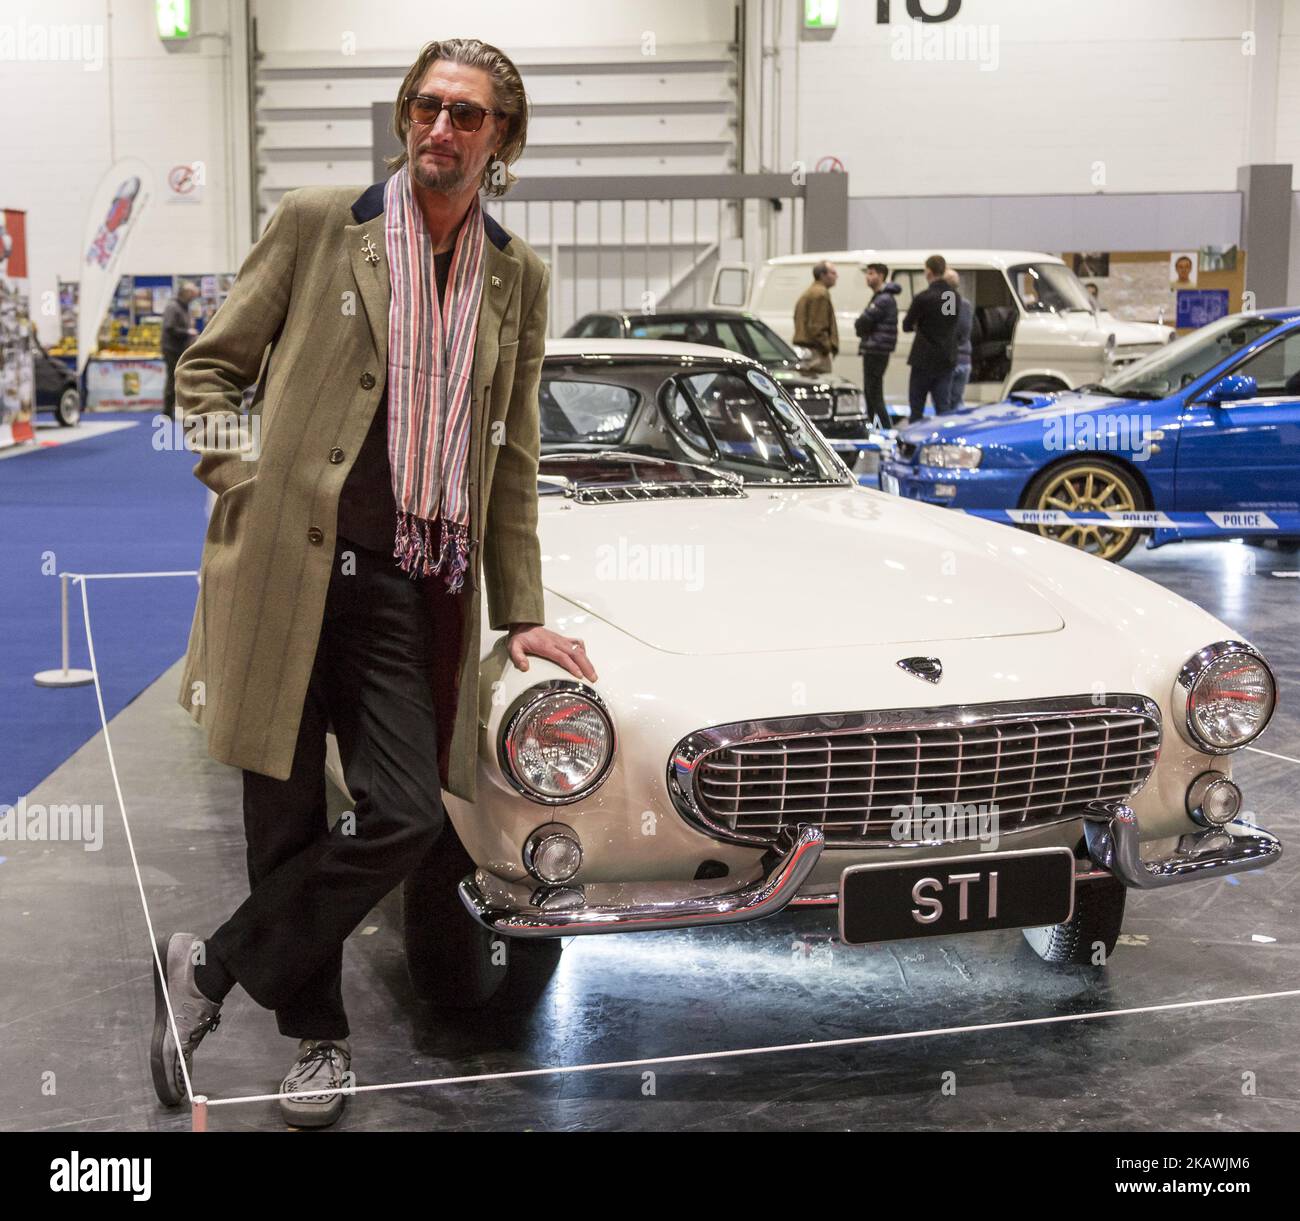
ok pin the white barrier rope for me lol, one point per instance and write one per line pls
(570, 1069)
(814, 1045)
(121, 805)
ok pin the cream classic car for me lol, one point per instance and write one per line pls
(967, 728)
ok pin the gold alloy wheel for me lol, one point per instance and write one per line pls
(1088, 488)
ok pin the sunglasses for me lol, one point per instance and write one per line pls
(424, 108)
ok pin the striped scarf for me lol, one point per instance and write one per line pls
(430, 371)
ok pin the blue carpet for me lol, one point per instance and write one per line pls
(106, 504)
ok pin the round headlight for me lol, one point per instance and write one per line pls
(557, 742)
(1224, 697)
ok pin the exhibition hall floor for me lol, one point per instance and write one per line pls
(77, 1007)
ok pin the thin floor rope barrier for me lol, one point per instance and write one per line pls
(1272, 754)
(118, 576)
(126, 824)
(571, 1069)
(814, 1045)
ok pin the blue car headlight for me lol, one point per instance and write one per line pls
(951, 457)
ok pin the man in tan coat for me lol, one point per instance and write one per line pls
(392, 465)
(814, 320)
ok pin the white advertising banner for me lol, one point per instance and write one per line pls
(122, 195)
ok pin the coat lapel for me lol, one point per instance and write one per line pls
(369, 259)
(365, 246)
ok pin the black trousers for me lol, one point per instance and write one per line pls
(874, 365)
(311, 886)
(928, 382)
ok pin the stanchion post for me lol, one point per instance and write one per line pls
(199, 1113)
(64, 677)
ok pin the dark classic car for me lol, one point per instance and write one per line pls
(834, 404)
(56, 388)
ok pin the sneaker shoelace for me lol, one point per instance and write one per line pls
(309, 1065)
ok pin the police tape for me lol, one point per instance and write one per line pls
(1207, 523)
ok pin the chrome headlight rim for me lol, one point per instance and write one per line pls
(1185, 685)
(521, 706)
(951, 448)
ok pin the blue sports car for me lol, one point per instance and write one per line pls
(1210, 423)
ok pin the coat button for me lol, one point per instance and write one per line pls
(336, 455)
(314, 535)
(367, 381)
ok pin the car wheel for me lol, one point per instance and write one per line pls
(1088, 485)
(453, 961)
(68, 409)
(1096, 922)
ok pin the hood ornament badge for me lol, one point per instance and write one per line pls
(928, 668)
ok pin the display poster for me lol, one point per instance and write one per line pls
(17, 351)
(122, 383)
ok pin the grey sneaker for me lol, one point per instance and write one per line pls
(195, 1016)
(322, 1064)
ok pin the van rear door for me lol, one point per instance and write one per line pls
(731, 285)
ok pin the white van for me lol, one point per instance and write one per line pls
(1037, 327)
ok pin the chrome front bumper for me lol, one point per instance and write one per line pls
(1110, 830)
(565, 913)
(1111, 833)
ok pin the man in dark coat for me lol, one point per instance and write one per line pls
(877, 328)
(177, 334)
(933, 317)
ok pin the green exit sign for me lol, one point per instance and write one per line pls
(173, 17)
(821, 14)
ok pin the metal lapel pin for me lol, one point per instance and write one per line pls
(372, 255)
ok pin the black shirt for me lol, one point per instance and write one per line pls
(367, 508)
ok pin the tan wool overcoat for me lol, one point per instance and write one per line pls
(315, 291)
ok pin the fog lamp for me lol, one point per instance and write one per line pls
(553, 853)
(1213, 799)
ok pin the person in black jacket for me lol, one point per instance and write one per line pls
(933, 316)
(877, 328)
(177, 334)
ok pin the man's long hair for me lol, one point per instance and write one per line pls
(508, 95)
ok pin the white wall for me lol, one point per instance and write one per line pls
(615, 89)
(1156, 91)
(67, 120)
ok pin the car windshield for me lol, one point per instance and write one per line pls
(735, 420)
(1049, 287)
(1180, 363)
(769, 347)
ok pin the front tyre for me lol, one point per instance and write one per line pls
(1088, 485)
(1089, 935)
(452, 960)
(68, 409)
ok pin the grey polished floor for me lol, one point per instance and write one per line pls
(76, 1003)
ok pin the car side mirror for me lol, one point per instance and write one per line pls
(1231, 388)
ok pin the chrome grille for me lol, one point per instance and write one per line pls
(817, 406)
(1036, 762)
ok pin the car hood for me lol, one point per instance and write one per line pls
(820, 568)
(995, 416)
(789, 376)
(1127, 333)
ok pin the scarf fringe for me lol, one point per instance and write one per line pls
(414, 548)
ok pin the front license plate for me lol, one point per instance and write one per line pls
(888, 483)
(956, 894)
